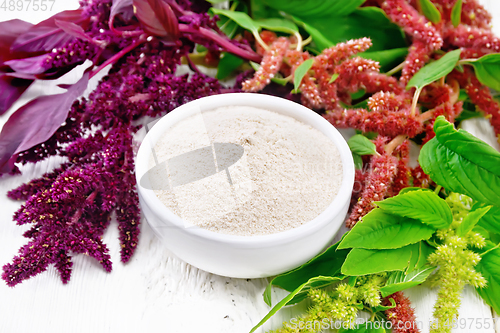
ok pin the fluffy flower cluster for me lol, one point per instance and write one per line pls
(456, 260)
(341, 304)
(402, 316)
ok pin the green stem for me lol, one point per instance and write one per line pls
(396, 69)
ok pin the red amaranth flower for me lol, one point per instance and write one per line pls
(418, 55)
(270, 65)
(402, 316)
(388, 101)
(340, 52)
(483, 40)
(402, 177)
(481, 96)
(412, 22)
(383, 122)
(383, 169)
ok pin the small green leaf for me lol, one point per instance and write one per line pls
(358, 161)
(435, 70)
(462, 163)
(487, 70)
(326, 264)
(277, 24)
(489, 267)
(382, 230)
(242, 19)
(227, 64)
(334, 77)
(384, 308)
(300, 72)
(361, 145)
(425, 206)
(364, 262)
(471, 220)
(430, 11)
(400, 281)
(456, 13)
(286, 301)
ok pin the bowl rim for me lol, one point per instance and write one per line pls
(246, 99)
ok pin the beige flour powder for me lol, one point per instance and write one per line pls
(245, 171)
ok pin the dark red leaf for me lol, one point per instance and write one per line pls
(9, 32)
(46, 35)
(12, 88)
(76, 31)
(124, 7)
(32, 65)
(35, 123)
(157, 18)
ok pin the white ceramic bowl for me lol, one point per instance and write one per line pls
(244, 256)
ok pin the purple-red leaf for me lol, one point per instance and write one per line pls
(9, 32)
(76, 31)
(46, 35)
(157, 18)
(36, 122)
(120, 6)
(32, 65)
(12, 88)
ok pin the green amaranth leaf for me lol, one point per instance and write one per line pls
(489, 267)
(363, 22)
(410, 189)
(456, 13)
(425, 206)
(326, 264)
(361, 145)
(227, 64)
(430, 11)
(462, 163)
(311, 283)
(334, 77)
(419, 260)
(487, 70)
(364, 262)
(381, 230)
(470, 221)
(491, 220)
(358, 161)
(315, 8)
(400, 281)
(277, 24)
(388, 59)
(300, 72)
(435, 70)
